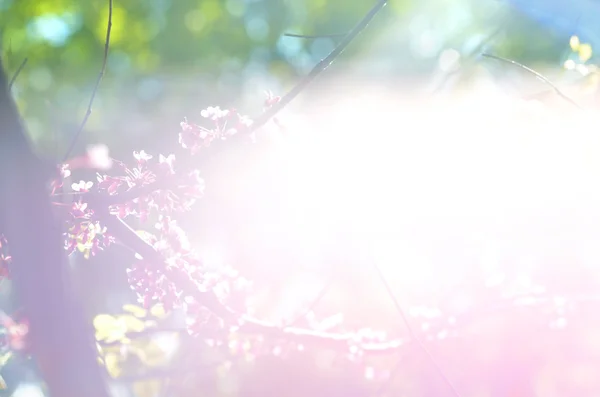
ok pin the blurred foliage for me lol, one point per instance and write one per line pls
(125, 344)
(188, 54)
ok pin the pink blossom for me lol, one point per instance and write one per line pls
(82, 186)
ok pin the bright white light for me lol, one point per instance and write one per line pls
(383, 170)
(169, 343)
(28, 390)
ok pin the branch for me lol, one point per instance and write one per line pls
(413, 337)
(342, 341)
(245, 324)
(277, 107)
(95, 90)
(318, 69)
(240, 322)
(106, 200)
(17, 73)
(316, 36)
(324, 290)
(474, 53)
(536, 74)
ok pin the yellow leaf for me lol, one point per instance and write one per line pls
(115, 334)
(4, 358)
(135, 310)
(158, 310)
(574, 43)
(104, 322)
(101, 335)
(147, 388)
(2, 383)
(131, 323)
(152, 355)
(111, 361)
(111, 349)
(146, 236)
(585, 52)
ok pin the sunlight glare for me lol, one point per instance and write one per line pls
(381, 169)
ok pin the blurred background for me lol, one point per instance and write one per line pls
(175, 57)
(469, 182)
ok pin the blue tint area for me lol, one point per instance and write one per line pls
(4, 4)
(54, 29)
(568, 17)
(289, 46)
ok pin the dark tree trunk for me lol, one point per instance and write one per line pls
(59, 338)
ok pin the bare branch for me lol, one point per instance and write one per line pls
(243, 323)
(316, 36)
(318, 69)
(536, 74)
(324, 290)
(285, 100)
(413, 336)
(95, 90)
(17, 73)
(474, 53)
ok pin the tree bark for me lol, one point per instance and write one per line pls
(59, 338)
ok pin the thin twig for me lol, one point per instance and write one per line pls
(243, 323)
(324, 290)
(469, 57)
(17, 73)
(246, 324)
(315, 36)
(536, 74)
(318, 69)
(98, 80)
(547, 91)
(413, 336)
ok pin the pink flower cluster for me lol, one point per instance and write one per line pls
(225, 123)
(153, 190)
